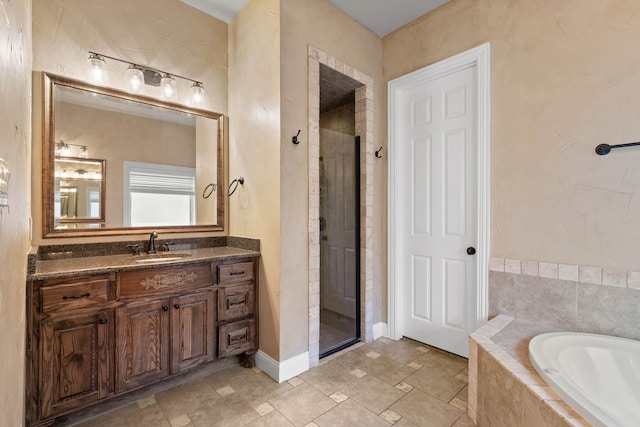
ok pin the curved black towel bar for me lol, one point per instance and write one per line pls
(235, 187)
(604, 149)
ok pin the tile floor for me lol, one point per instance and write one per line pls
(335, 329)
(385, 382)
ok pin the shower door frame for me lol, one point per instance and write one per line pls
(358, 233)
(364, 128)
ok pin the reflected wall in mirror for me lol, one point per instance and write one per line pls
(79, 192)
(163, 159)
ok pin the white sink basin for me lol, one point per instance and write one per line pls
(151, 258)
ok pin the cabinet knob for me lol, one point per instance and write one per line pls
(177, 306)
(165, 307)
(102, 321)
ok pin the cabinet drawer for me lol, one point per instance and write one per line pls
(236, 338)
(65, 296)
(237, 272)
(156, 281)
(235, 302)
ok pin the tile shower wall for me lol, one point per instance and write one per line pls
(567, 297)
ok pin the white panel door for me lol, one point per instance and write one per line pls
(437, 164)
(338, 248)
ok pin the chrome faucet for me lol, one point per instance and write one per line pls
(152, 242)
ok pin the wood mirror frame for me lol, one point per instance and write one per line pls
(49, 230)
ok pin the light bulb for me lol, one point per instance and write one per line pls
(134, 79)
(198, 96)
(97, 69)
(65, 150)
(168, 88)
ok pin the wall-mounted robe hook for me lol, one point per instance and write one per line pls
(295, 139)
(378, 155)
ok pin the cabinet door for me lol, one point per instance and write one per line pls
(75, 361)
(192, 335)
(142, 344)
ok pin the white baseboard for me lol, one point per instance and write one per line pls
(380, 330)
(285, 370)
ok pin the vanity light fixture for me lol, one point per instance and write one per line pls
(168, 88)
(64, 149)
(198, 96)
(134, 79)
(137, 76)
(97, 69)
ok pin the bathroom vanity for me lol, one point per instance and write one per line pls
(101, 326)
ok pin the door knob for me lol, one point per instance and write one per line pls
(325, 238)
(471, 250)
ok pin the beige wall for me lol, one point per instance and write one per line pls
(254, 151)
(565, 78)
(268, 89)
(341, 119)
(320, 24)
(165, 34)
(15, 148)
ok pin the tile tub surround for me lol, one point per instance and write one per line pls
(566, 297)
(504, 388)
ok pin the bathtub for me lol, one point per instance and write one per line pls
(597, 375)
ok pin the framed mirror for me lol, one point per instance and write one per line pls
(79, 192)
(165, 163)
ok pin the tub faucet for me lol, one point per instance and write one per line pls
(152, 242)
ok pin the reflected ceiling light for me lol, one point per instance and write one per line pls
(168, 88)
(134, 79)
(97, 69)
(64, 149)
(138, 76)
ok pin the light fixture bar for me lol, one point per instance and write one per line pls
(65, 147)
(144, 67)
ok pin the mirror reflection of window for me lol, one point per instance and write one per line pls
(94, 202)
(158, 195)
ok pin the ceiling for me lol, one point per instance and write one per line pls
(336, 89)
(380, 16)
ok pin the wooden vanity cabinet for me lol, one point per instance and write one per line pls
(95, 337)
(76, 361)
(192, 330)
(236, 308)
(74, 352)
(142, 344)
(162, 337)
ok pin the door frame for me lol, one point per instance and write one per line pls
(364, 99)
(480, 57)
(358, 235)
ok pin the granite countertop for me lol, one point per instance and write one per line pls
(56, 268)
